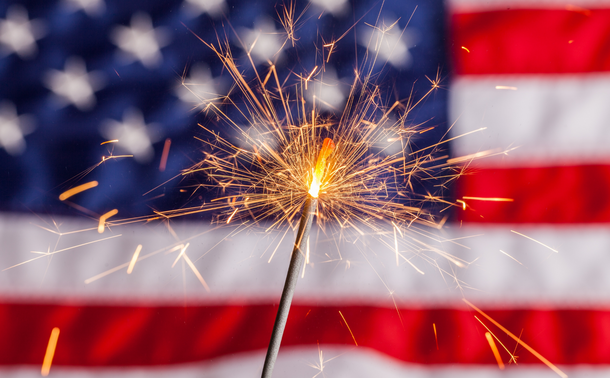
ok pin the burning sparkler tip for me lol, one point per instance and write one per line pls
(327, 148)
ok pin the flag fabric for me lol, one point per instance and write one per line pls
(85, 82)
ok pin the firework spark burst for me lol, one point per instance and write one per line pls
(266, 173)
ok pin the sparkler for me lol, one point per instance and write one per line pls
(297, 258)
(267, 174)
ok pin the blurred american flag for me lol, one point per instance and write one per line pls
(77, 73)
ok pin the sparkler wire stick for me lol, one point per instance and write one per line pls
(296, 261)
(298, 255)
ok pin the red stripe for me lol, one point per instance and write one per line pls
(124, 336)
(531, 41)
(566, 194)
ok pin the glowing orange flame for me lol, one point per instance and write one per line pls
(81, 188)
(102, 222)
(327, 148)
(494, 349)
(48, 357)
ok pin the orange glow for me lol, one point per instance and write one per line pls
(231, 217)
(577, 9)
(109, 141)
(48, 356)
(512, 356)
(518, 340)
(327, 148)
(488, 199)
(435, 336)
(350, 331)
(81, 188)
(464, 48)
(168, 142)
(494, 349)
(132, 263)
(102, 223)
(463, 204)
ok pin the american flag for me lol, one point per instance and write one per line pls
(78, 73)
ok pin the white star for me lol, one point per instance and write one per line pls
(264, 41)
(335, 7)
(390, 44)
(135, 137)
(74, 85)
(390, 142)
(214, 8)
(328, 93)
(140, 41)
(18, 34)
(259, 136)
(13, 128)
(91, 7)
(199, 88)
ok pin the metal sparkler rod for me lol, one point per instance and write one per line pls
(296, 261)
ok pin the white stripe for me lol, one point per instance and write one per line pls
(552, 119)
(301, 363)
(464, 6)
(237, 268)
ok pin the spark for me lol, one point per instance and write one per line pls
(512, 355)
(396, 245)
(348, 328)
(132, 263)
(194, 269)
(463, 204)
(511, 257)
(464, 48)
(231, 217)
(306, 258)
(172, 248)
(109, 141)
(506, 87)
(59, 251)
(106, 158)
(494, 349)
(164, 155)
(534, 240)
(435, 336)
(277, 247)
(448, 140)
(493, 199)
(102, 222)
(182, 251)
(477, 155)
(289, 22)
(331, 47)
(518, 340)
(321, 364)
(48, 356)
(81, 188)
(310, 75)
